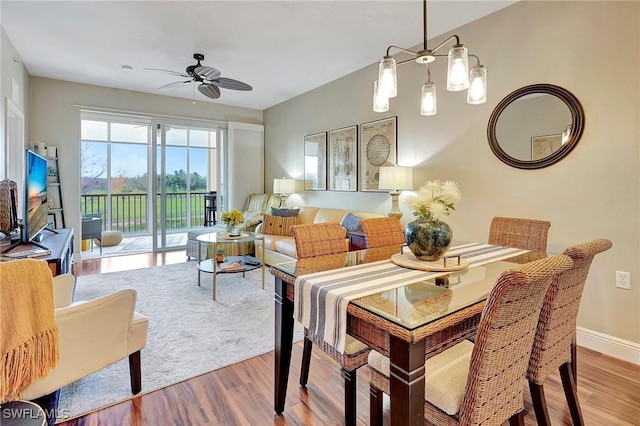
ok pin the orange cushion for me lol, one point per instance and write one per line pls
(278, 225)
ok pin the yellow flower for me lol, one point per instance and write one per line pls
(233, 217)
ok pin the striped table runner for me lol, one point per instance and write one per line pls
(321, 298)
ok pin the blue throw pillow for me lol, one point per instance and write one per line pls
(351, 222)
(284, 212)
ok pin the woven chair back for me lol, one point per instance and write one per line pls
(529, 234)
(495, 384)
(319, 239)
(557, 325)
(382, 231)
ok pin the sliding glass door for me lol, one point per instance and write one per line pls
(148, 178)
(186, 171)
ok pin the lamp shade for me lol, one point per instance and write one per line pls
(284, 186)
(396, 178)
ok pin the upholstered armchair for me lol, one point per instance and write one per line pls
(93, 335)
(256, 206)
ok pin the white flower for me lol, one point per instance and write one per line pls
(435, 199)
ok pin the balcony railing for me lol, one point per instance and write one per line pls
(130, 214)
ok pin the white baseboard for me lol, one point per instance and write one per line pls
(608, 345)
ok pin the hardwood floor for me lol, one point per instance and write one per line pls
(242, 394)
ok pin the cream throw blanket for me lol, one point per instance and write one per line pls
(28, 332)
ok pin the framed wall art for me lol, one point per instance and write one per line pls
(544, 146)
(315, 162)
(378, 147)
(343, 159)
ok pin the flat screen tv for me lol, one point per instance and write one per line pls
(35, 197)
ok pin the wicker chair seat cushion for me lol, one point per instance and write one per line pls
(355, 353)
(109, 238)
(445, 375)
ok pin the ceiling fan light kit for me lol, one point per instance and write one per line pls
(208, 77)
(459, 77)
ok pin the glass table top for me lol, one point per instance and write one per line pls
(224, 237)
(420, 301)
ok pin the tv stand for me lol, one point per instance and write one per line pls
(61, 247)
(11, 246)
(33, 242)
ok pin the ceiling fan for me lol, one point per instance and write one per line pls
(208, 77)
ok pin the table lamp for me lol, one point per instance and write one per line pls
(284, 187)
(395, 179)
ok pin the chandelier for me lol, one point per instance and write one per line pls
(459, 77)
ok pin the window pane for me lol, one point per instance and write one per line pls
(201, 138)
(93, 177)
(136, 133)
(176, 136)
(176, 169)
(199, 169)
(93, 130)
(128, 168)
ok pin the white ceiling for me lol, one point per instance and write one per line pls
(281, 48)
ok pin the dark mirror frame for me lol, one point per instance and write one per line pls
(577, 125)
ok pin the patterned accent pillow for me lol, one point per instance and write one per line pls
(284, 212)
(278, 225)
(351, 222)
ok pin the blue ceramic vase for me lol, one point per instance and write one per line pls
(428, 239)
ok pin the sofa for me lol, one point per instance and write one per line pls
(282, 248)
(254, 210)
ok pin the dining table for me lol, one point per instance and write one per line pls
(406, 313)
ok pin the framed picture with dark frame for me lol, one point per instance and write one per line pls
(544, 146)
(343, 159)
(378, 147)
(315, 162)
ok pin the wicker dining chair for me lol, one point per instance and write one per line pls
(382, 231)
(483, 383)
(321, 239)
(553, 347)
(530, 234)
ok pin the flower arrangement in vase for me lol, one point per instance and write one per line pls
(233, 218)
(428, 237)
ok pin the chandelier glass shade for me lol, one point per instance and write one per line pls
(459, 77)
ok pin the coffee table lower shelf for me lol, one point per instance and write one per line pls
(207, 267)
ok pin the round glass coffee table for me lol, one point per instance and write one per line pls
(232, 264)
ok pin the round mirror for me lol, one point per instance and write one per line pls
(535, 126)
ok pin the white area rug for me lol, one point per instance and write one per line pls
(189, 333)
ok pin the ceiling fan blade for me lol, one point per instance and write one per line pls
(179, 74)
(209, 90)
(207, 73)
(173, 85)
(229, 83)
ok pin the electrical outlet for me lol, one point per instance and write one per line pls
(623, 280)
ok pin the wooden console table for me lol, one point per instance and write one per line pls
(61, 247)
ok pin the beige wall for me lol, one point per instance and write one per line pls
(55, 121)
(591, 49)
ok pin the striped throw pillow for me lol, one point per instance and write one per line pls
(278, 225)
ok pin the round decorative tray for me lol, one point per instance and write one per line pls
(408, 260)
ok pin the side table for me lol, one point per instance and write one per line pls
(356, 240)
(214, 239)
